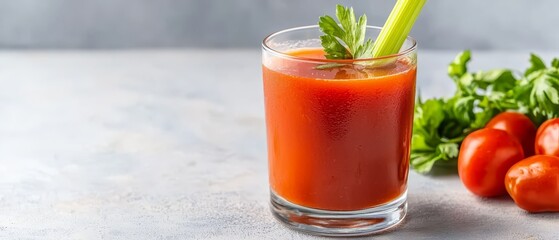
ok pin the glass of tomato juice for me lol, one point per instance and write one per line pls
(338, 134)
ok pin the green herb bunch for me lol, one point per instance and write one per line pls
(440, 124)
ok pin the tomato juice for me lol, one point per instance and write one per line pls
(339, 138)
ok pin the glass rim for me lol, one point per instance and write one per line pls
(285, 55)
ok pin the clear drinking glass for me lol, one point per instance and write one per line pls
(338, 134)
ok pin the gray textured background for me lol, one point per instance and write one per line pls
(444, 24)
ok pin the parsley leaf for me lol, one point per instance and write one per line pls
(457, 67)
(345, 40)
(555, 63)
(544, 94)
(333, 48)
(536, 63)
(437, 130)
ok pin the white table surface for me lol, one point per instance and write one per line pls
(170, 144)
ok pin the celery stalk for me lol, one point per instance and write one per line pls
(397, 27)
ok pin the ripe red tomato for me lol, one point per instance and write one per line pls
(533, 183)
(547, 138)
(517, 125)
(485, 157)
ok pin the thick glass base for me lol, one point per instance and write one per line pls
(340, 223)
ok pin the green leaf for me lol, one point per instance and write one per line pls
(498, 79)
(465, 85)
(345, 40)
(428, 146)
(329, 26)
(423, 162)
(365, 50)
(347, 20)
(544, 97)
(420, 141)
(448, 151)
(462, 109)
(333, 48)
(431, 112)
(360, 31)
(458, 67)
(555, 63)
(536, 63)
(488, 109)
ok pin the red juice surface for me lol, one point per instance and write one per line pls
(338, 139)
